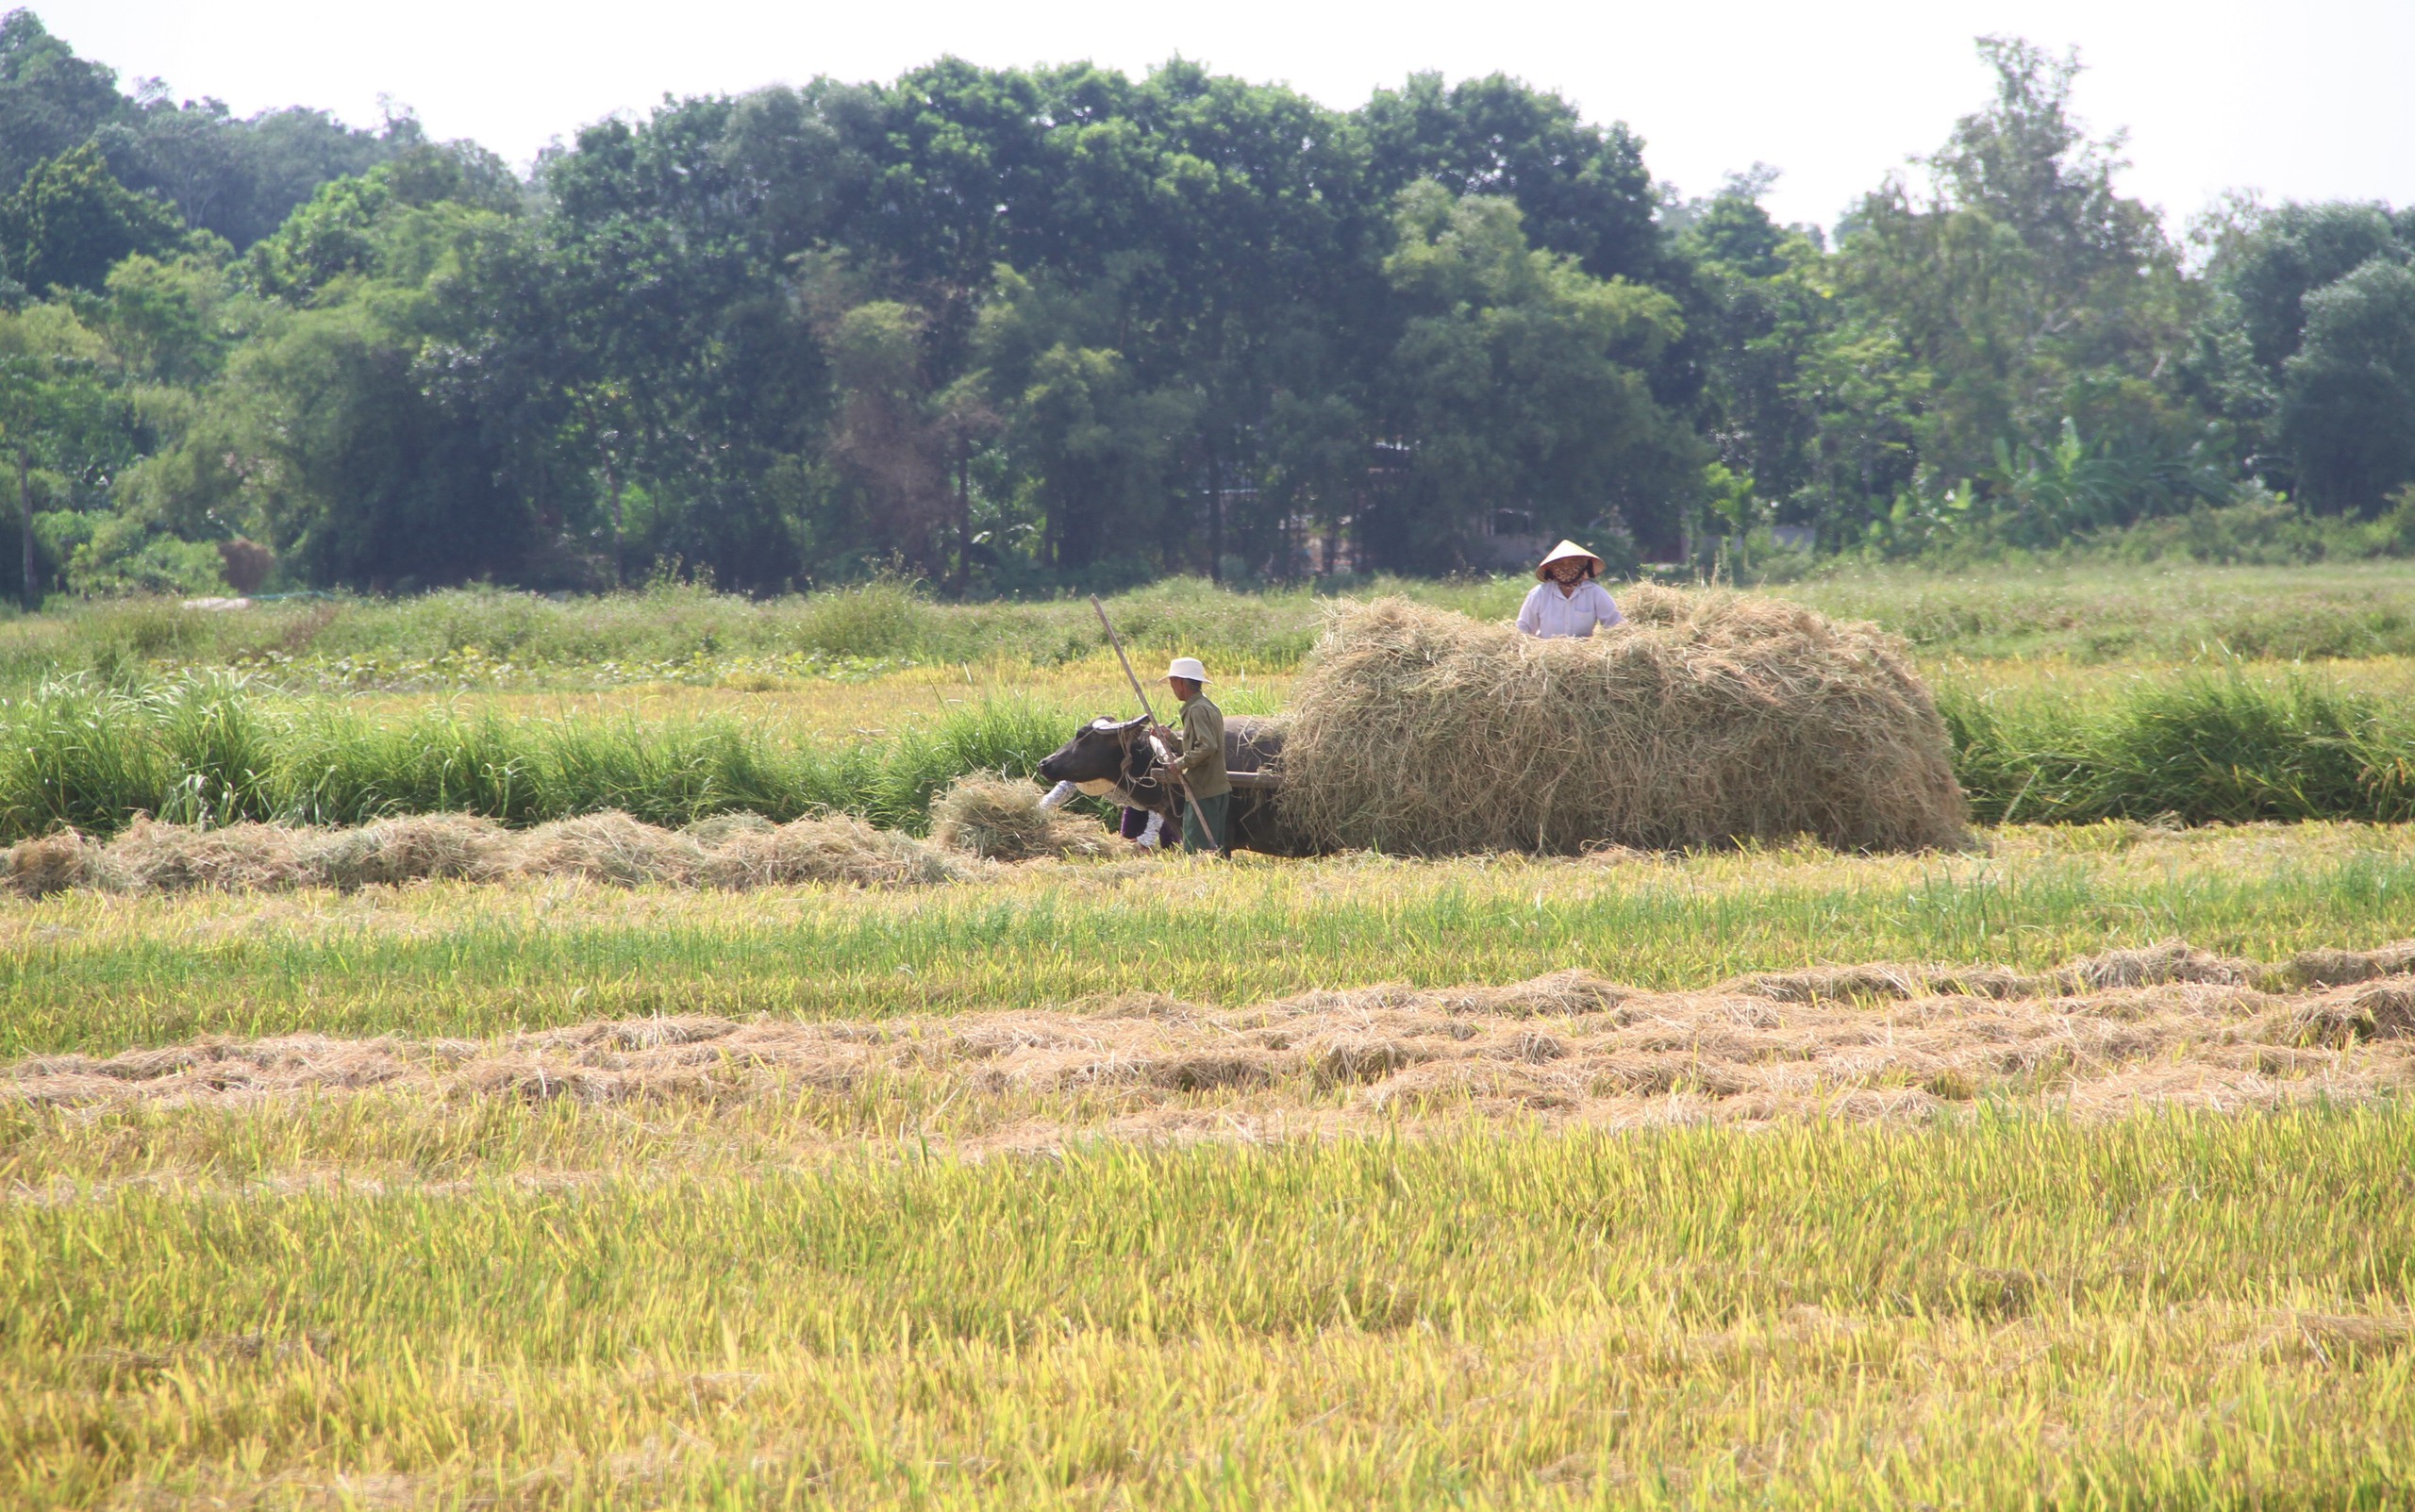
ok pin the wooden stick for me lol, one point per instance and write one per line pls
(1174, 775)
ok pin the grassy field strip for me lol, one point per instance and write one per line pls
(486, 639)
(2382, 677)
(880, 703)
(2103, 1036)
(93, 973)
(883, 703)
(2156, 1311)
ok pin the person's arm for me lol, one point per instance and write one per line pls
(1196, 744)
(1608, 612)
(1060, 795)
(1530, 614)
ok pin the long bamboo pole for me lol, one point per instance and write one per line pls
(26, 524)
(1173, 775)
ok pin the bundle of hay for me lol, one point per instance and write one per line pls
(836, 849)
(1711, 717)
(410, 848)
(1001, 820)
(149, 856)
(609, 847)
(51, 863)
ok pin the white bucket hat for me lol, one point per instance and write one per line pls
(1189, 669)
(1561, 553)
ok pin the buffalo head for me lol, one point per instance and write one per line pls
(1108, 757)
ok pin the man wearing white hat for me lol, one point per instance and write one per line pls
(1566, 600)
(1199, 758)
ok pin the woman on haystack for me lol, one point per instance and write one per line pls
(1566, 600)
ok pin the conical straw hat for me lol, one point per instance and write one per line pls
(1561, 553)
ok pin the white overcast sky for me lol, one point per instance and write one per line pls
(2308, 100)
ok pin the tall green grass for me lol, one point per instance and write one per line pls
(214, 750)
(2199, 747)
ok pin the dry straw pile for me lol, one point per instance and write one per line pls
(1711, 717)
(2102, 1037)
(1001, 820)
(736, 851)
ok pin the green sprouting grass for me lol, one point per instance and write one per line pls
(2166, 1311)
(91, 973)
(486, 638)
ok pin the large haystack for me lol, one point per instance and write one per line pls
(1712, 717)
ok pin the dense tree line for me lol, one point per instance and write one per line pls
(1015, 329)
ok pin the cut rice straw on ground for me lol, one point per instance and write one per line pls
(1711, 717)
(733, 852)
(2168, 1025)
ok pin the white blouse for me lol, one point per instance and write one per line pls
(1547, 612)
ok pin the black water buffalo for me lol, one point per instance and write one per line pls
(1122, 762)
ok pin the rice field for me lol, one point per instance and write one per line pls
(485, 639)
(2071, 1171)
(84, 971)
(2008, 1312)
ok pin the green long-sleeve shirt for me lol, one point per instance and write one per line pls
(1201, 760)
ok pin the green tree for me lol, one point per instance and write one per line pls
(1523, 382)
(357, 226)
(1762, 295)
(174, 321)
(238, 179)
(70, 222)
(366, 426)
(2348, 409)
(1258, 193)
(702, 390)
(2022, 283)
(2267, 264)
(51, 101)
(365, 470)
(55, 415)
(1096, 444)
(1864, 392)
(1580, 190)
